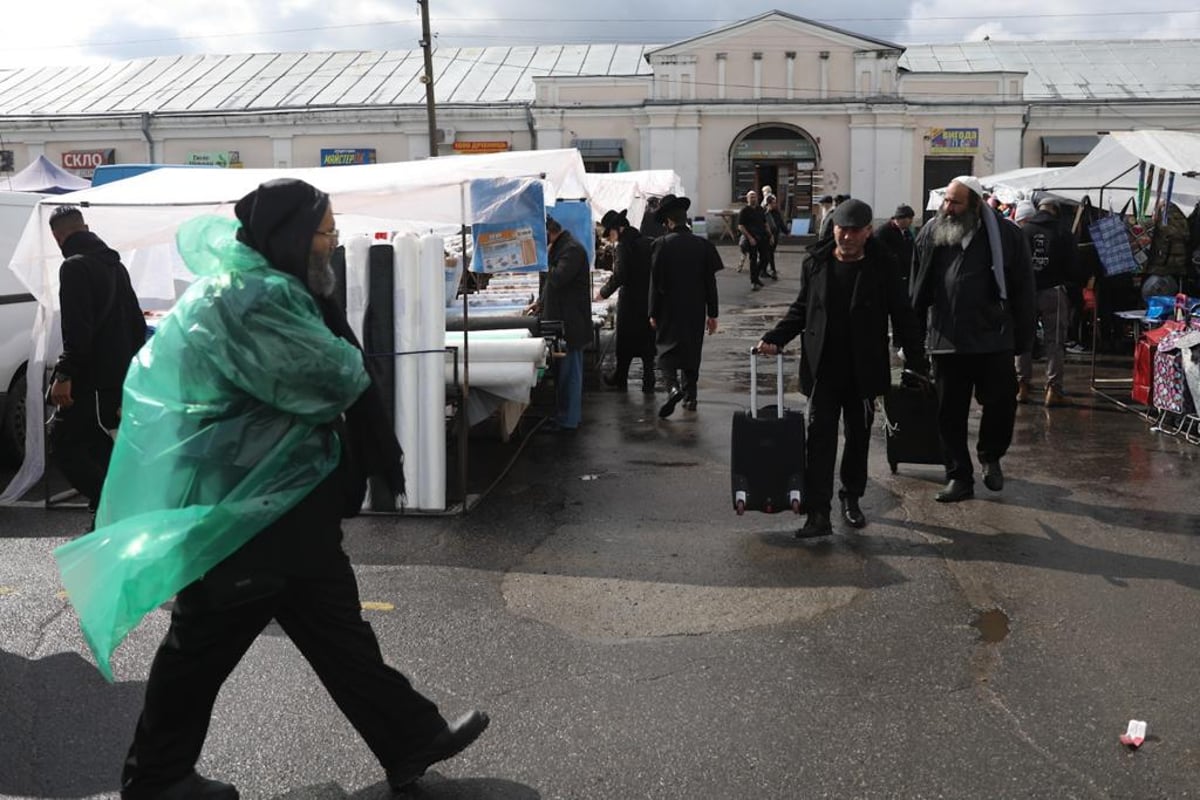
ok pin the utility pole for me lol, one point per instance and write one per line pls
(427, 78)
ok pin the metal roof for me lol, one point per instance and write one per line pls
(1137, 69)
(1127, 69)
(258, 81)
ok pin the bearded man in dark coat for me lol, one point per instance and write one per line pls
(683, 301)
(631, 274)
(974, 281)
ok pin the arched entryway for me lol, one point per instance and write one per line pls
(781, 156)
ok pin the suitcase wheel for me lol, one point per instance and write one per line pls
(740, 505)
(892, 464)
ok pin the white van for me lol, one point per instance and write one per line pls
(17, 308)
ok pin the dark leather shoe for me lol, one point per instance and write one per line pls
(457, 736)
(955, 490)
(853, 515)
(689, 405)
(668, 408)
(993, 476)
(193, 787)
(817, 524)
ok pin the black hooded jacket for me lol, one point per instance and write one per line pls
(102, 323)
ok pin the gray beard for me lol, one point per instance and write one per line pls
(951, 230)
(322, 280)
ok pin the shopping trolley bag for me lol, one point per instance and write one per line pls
(910, 423)
(767, 452)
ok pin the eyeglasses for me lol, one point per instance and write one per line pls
(332, 233)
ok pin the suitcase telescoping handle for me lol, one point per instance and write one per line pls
(754, 383)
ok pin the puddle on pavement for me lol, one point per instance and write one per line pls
(649, 463)
(992, 625)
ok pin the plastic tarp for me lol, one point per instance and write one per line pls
(508, 225)
(45, 177)
(139, 217)
(1109, 174)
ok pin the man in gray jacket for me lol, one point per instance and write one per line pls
(975, 284)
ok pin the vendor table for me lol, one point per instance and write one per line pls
(1101, 387)
(727, 217)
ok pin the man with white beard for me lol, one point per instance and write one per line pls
(974, 285)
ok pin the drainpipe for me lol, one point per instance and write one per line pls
(532, 127)
(149, 139)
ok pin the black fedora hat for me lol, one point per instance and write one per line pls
(668, 204)
(614, 219)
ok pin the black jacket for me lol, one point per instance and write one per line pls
(877, 296)
(102, 323)
(1051, 250)
(683, 291)
(973, 318)
(900, 244)
(567, 290)
(631, 274)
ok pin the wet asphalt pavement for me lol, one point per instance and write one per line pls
(633, 638)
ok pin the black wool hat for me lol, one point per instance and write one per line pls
(668, 204)
(852, 214)
(614, 219)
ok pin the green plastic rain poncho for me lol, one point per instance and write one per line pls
(223, 429)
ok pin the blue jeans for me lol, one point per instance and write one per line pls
(568, 384)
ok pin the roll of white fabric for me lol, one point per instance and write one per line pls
(432, 400)
(407, 317)
(358, 250)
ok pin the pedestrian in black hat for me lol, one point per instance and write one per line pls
(897, 238)
(631, 274)
(848, 291)
(683, 301)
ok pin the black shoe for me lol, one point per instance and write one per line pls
(852, 513)
(993, 476)
(817, 524)
(668, 408)
(689, 405)
(773, 275)
(194, 787)
(756, 285)
(457, 736)
(954, 490)
(613, 381)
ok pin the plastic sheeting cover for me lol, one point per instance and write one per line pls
(222, 431)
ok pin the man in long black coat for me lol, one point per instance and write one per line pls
(974, 282)
(849, 287)
(102, 330)
(683, 301)
(631, 274)
(567, 296)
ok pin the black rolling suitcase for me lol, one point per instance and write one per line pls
(910, 423)
(767, 452)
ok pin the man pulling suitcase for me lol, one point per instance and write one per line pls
(849, 287)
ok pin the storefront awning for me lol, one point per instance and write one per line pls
(1068, 145)
(599, 148)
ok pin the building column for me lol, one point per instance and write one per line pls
(671, 140)
(881, 169)
(823, 92)
(1007, 149)
(758, 75)
(790, 62)
(721, 59)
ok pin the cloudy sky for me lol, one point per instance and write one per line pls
(74, 31)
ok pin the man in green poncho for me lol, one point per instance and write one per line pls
(295, 379)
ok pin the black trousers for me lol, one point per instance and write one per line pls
(621, 373)
(835, 397)
(768, 258)
(672, 377)
(992, 379)
(210, 632)
(79, 444)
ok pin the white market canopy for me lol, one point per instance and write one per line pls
(138, 217)
(1109, 174)
(621, 191)
(1008, 187)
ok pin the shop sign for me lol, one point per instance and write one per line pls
(775, 150)
(215, 158)
(480, 147)
(347, 156)
(953, 141)
(6, 161)
(84, 162)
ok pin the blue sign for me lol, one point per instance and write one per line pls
(346, 156)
